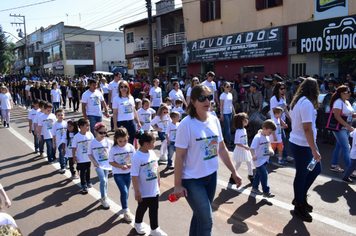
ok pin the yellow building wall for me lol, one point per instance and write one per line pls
(139, 32)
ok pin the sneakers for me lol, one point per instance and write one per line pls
(256, 191)
(157, 232)
(170, 167)
(288, 158)
(282, 162)
(348, 181)
(8, 125)
(268, 195)
(301, 211)
(90, 185)
(353, 175)
(75, 177)
(62, 171)
(84, 189)
(104, 203)
(336, 169)
(128, 217)
(140, 229)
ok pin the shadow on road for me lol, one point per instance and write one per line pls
(294, 227)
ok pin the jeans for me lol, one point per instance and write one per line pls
(131, 128)
(50, 150)
(171, 150)
(41, 144)
(152, 204)
(103, 177)
(342, 144)
(64, 99)
(62, 160)
(84, 169)
(303, 177)
(35, 141)
(285, 153)
(226, 127)
(123, 182)
(93, 120)
(261, 176)
(55, 106)
(351, 168)
(200, 196)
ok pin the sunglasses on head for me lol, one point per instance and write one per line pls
(123, 86)
(102, 133)
(202, 98)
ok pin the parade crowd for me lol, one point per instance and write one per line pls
(197, 120)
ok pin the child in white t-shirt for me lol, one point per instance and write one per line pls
(67, 140)
(145, 181)
(98, 153)
(276, 136)
(31, 117)
(45, 125)
(171, 134)
(58, 130)
(242, 150)
(145, 115)
(80, 146)
(160, 124)
(261, 150)
(41, 104)
(178, 107)
(120, 158)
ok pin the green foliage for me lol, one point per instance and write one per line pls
(7, 57)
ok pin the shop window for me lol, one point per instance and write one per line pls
(79, 51)
(47, 55)
(263, 4)
(252, 69)
(209, 10)
(130, 37)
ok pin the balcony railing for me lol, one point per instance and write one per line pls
(143, 45)
(173, 39)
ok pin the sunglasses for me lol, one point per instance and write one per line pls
(202, 98)
(282, 89)
(123, 86)
(102, 133)
(347, 92)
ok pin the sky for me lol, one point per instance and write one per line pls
(107, 15)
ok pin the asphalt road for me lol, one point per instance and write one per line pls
(45, 202)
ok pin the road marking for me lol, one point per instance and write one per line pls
(114, 207)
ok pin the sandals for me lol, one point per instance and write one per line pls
(337, 169)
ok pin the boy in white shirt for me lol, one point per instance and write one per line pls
(212, 108)
(171, 134)
(261, 150)
(178, 107)
(276, 137)
(35, 127)
(45, 125)
(80, 145)
(58, 131)
(31, 116)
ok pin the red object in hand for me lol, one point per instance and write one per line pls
(172, 198)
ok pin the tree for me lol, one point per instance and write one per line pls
(7, 57)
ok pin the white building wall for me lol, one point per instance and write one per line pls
(109, 49)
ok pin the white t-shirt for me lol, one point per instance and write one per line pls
(105, 88)
(227, 98)
(171, 131)
(161, 123)
(303, 112)
(189, 91)
(59, 130)
(353, 147)
(346, 108)
(212, 86)
(202, 143)
(32, 115)
(277, 132)
(114, 88)
(156, 94)
(100, 152)
(274, 103)
(38, 114)
(56, 95)
(93, 101)
(122, 156)
(68, 149)
(125, 108)
(47, 122)
(241, 136)
(179, 109)
(145, 166)
(145, 116)
(69, 91)
(175, 95)
(261, 145)
(6, 219)
(5, 100)
(81, 143)
(27, 88)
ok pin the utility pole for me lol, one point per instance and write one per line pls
(150, 43)
(24, 25)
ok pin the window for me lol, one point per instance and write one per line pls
(293, 43)
(79, 51)
(37, 45)
(263, 4)
(298, 69)
(129, 37)
(253, 69)
(209, 10)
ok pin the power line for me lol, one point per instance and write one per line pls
(30, 5)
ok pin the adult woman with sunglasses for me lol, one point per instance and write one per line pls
(342, 107)
(279, 100)
(199, 142)
(124, 112)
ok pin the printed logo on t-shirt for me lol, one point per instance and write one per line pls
(85, 146)
(174, 134)
(123, 158)
(279, 131)
(164, 125)
(158, 94)
(101, 153)
(150, 170)
(49, 123)
(127, 107)
(243, 139)
(147, 118)
(209, 147)
(95, 100)
(265, 148)
(61, 132)
(70, 143)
